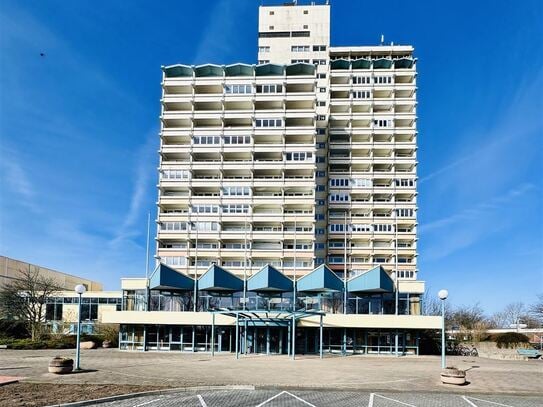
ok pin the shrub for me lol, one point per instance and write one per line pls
(13, 329)
(510, 339)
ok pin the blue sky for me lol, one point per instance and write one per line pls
(78, 129)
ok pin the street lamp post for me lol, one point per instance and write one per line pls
(443, 294)
(79, 289)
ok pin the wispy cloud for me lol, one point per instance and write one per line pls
(144, 171)
(14, 176)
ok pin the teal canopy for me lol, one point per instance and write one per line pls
(300, 69)
(403, 63)
(239, 70)
(269, 279)
(166, 278)
(269, 70)
(382, 63)
(361, 63)
(340, 64)
(208, 70)
(322, 279)
(375, 280)
(218, 279)
(178, 71)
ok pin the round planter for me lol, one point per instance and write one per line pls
(451, 375)
(61, 365)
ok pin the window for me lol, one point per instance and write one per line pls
(89, 311)
(206, 140)
(319, 261)
(319, 246)
(404, 213)
(321, 76)
(321, 103)
(299, 156)
(236, 246)
(236, 191)
(361, 94)
(173, 226)
(339, 197)
(53, 312)
(321, 174)
(335, 259)
(263, 61)
(319, 62)
(339, 182)
(271, 27)
(269, 122)
(263, 49)
(382, 228)
(321, 131)
(272, 13)
(173, 245)
(174, 260)
(205, 208)
(322, 90)
(382, 79)
(382, 123)
(299, 61)
(320, 188)
(336, 227)
(358, 80)
(359, 227)
(299, 246)
(321, 159)
(361, 182)
(272, 88)
(319, 47)
(238, 88)
(205, 226)
(319, 231)
(320, 202)
(305, 27)
(306, 11)
(235, 208)
(403, 182)
(234, 263)
(406, 274)
(237, 139)
(321, 117)
(300, 48)
(175, 174)
(321, 145)
(319, 216)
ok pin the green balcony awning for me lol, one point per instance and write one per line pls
(218, 279)
(322, 279)
(239, 70)
(375, 280)
(300, 69)
(403, 63)
(269, 70)
(208, 70)
(178, 71)
(166, 278)
(340, 64)
(382, 63)
(361, 63)
(269, 279)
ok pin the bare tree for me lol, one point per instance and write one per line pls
(24, 299)
(536, 309)
(431, 304)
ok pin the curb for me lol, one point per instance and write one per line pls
(150, 393)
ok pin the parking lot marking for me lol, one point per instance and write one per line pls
(370, 402)
(484, 401)
(396, 401)
(469, 402)
(201, 400)
(147, 402)
(290, 394)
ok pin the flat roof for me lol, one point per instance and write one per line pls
(373, 48)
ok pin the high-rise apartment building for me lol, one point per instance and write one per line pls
(298, 171)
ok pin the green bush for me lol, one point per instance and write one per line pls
(510, 340)
(13, 329)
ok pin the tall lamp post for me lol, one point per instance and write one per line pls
(443, 294)
(79, 289)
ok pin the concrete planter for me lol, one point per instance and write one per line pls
(60, 365)
(452, 375)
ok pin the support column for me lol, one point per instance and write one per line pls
(144, 338)
(344, 351)
(320, 338)
(213, 334)
(193, 338)
(288, 340)
(245, 338)
(237, 336)
(267, 340)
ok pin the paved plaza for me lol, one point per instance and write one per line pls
(283, 398)
(347, 380)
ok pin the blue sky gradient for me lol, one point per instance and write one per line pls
(79, 129)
